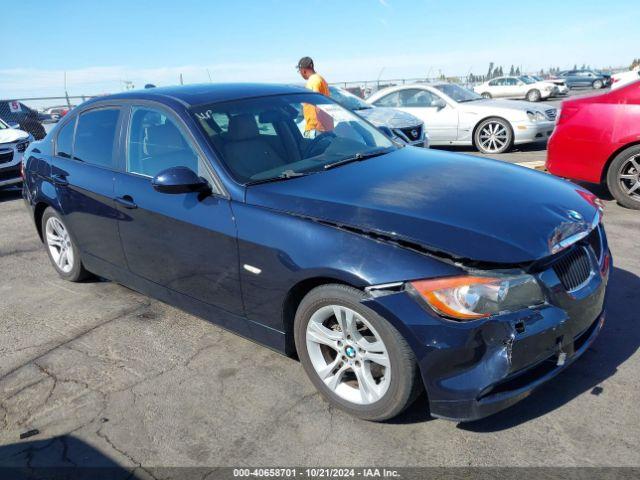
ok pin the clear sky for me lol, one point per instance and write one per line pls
(102, 43)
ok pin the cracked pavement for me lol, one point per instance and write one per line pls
(109, 376)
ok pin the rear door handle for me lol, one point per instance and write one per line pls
(60, 180)
(126, 201)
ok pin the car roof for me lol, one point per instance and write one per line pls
(199, 94)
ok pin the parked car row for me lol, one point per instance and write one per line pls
(54, 114)
(453, 115)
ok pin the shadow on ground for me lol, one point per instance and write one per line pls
(527, 147)
(619, 340)
(8, 194)
(598, 190)
(63, 457)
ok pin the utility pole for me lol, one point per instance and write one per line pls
(209, 74)
(181, 83)
(379, 76)
(66, 93)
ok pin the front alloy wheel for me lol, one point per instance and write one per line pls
(353, 356)
(493, 135)
(623, 178)
(348, 354)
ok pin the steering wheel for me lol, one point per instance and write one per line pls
(315, 144)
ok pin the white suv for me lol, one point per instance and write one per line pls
(13, 143)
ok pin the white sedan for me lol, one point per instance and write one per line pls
(624, 78)
(456, 116)
(517, 87)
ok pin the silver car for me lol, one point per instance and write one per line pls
(401, 126)
(454, 115)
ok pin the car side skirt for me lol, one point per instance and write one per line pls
(239, 325)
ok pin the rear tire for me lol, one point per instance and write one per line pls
(534, 95)
(61, 247)
(623, 178)
(358, 362)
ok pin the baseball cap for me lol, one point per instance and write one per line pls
(305, 62)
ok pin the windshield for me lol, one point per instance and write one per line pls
(348, 100)
(527, 80)
(283, 136)
(457, 93)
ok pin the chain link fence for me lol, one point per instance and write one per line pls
(365, 88)
(35, 115)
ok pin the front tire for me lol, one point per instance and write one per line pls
(356, 359)
(486, 95)
(623, 178)
(534, 95)
(493, 136)
(61, 247)
(597, 85)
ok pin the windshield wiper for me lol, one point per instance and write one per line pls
(286, 175)
(356, 158)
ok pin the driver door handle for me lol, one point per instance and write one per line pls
(126, 201)
(59, 180)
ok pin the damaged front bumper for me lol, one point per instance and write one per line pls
(474, 369)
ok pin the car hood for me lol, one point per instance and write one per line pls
(10, 135)
(457, 205)
(389, 117)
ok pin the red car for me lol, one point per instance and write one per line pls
(597, 140)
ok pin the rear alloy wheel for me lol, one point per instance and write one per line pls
(493, 135)
(534, 95)
(486, 95)
(623, 178)
(354, 357)
(61, 248)
(597, 85)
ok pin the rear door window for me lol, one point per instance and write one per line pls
(416, 98)
(64, 142)
(95, 137)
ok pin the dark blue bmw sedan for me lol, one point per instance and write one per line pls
(387, 270)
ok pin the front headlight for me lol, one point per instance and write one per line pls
(536, 116)
(472, 297)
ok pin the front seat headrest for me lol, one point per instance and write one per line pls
(242, 127)
(163, 139)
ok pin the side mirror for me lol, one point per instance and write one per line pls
(179, 180)
(439, 104)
